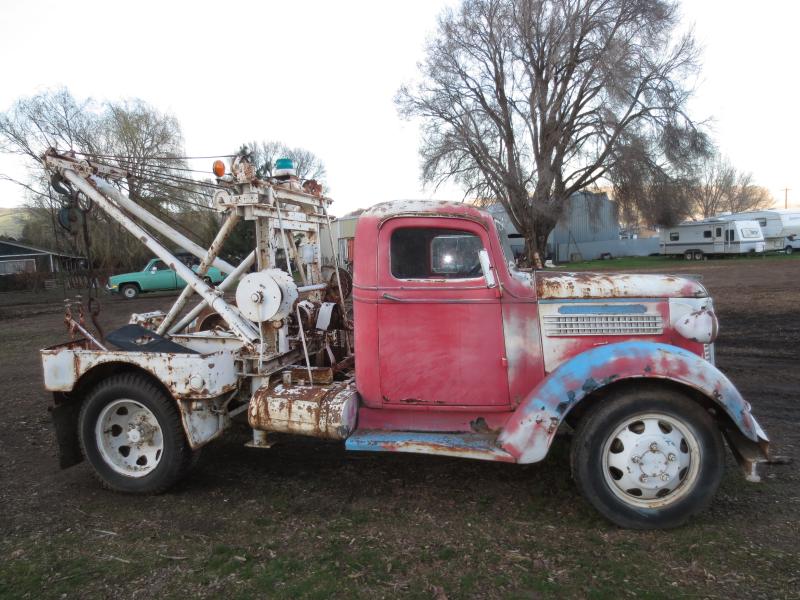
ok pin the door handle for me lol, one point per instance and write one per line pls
(392, 298)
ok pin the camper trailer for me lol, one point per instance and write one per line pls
(697, 240)
(776, 226)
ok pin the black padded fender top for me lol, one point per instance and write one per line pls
(135, 338)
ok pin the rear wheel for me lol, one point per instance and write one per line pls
(789, 249)
(131, 433)
(688, 255)
(129, 291)
(698, 255)
(648, 459)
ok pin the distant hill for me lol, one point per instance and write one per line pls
(12, 221)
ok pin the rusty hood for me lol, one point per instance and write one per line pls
(616, 285)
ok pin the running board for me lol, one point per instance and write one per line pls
(480, 446)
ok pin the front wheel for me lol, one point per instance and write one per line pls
(131, 433)
(648, 459)
(129, 291)
(789, 249)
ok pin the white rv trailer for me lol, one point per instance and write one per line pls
(777, 225)
(696, 240)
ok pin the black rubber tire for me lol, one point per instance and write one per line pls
(789, 249)
(129, 291)
(599, 422)
(177, 457)
(688, 255)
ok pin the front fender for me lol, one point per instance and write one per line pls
(530, 430)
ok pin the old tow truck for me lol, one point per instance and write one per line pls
(459, 353)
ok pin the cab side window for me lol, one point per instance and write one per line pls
(160, 266)
(432, 253)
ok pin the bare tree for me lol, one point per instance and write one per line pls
(646, 192)
(722, 188)
(131, 135)
(264, 154)
(529, 101)
(49, 119)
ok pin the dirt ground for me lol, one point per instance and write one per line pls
(307, 519)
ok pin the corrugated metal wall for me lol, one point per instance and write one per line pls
(588, 217)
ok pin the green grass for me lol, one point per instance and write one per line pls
(288, 553)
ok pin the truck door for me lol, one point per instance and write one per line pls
(159, 276)
(440, 328)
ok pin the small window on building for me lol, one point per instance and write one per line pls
(707, 233)
(13, 267)
(718, 232)
(674, 236)
(428, 253)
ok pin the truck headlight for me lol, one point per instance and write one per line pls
(694, 319)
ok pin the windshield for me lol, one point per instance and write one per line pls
(505, 244)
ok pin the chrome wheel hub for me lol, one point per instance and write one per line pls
(129, 438)
(651, 460)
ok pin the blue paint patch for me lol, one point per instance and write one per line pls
(375, 440)
(560, 384)
(603, 309)
(596, 300)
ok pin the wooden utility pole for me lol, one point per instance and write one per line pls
(786, 197)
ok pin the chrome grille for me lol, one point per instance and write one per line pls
(569, 325)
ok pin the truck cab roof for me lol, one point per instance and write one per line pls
(386, 210)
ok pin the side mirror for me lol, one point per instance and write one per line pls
(486, 267)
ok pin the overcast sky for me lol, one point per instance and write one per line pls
(322, 75)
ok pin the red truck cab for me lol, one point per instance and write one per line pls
(487, 361)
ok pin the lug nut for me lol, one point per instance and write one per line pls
(664, 477)
(671, 457)
(653, 447)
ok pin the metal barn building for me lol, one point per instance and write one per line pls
(587, 230)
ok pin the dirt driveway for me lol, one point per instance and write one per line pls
(306, 519)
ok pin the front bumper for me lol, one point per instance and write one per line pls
(748, 453)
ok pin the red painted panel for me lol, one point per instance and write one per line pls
(442, 354)
(523, 348)
(440, 341)
(432, 418)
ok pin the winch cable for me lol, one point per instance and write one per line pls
(305, 347)
(144, 170)
(283, 239)
(93, 302)
(115, 156)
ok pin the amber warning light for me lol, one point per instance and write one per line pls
(219, 168)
